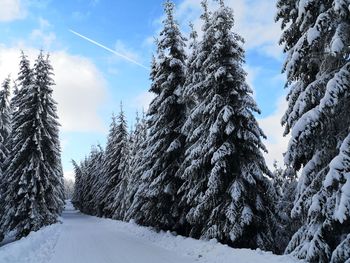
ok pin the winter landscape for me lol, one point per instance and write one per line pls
(175, 131)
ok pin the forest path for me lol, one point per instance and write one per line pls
(81, 238)
(86, 239)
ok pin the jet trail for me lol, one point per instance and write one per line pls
(108, 49)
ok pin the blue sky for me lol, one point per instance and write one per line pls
(91, 81)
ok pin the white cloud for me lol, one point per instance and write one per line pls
(80, 88)
(276, 144)
(46, 38)
(11, 10)
(253, 19)
(43, 23)
(42, 34)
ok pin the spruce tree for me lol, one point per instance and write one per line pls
(109, 168)
(137, 150)
(192, 74)
(315, 39)
(225, 186)
(112, 164)
(32, 188)
(24, 80)
(90, 175)
(121, 190)
(77, 194)
(5, 122)
(285, 183)
(5, 129)
(155, 203)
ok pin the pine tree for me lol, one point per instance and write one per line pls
(5, 129)
(89, 174)
(33, 189)
(113, 157)
(226, 190)
(15, 93)
(285, 183)
(121, 190)
(137, 152)
(24, 80)
(43, 71)
(317, 68)
(5, 122)
(193, 76)
(109, 167)
(155, 201)
(77, 194)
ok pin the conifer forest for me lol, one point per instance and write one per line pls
(191, 171)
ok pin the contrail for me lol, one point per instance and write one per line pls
(108, 49)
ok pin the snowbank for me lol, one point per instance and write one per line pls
(35, 248)
(202, 251)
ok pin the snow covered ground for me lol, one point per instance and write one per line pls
(86, 239)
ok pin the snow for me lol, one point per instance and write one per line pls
(312, 34)
(337, 45)
(86, 239)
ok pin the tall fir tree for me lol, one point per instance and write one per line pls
(77, 194)
(285, 184)
(315, 39)
(33, 182)
(5, 129)
(112, 164)
(121, 190)
(137, 150)
(109, 168)
(90, 174)
(25, 79)
(156, 199)
(5, 122)
(193, 76)
(226, 189)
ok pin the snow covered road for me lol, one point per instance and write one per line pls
(86, 239)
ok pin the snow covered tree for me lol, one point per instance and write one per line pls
(5, 122)
(78, 174)
(192, 74)
(316, 36)
(109, 167)
(137, 149)
(156, 199)
(121, 190)
(33, 183)
(90, 174)
(225, 186)
(284, 183)
(113, 157)
(24, 80)
(15, 92)
(5, 129)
